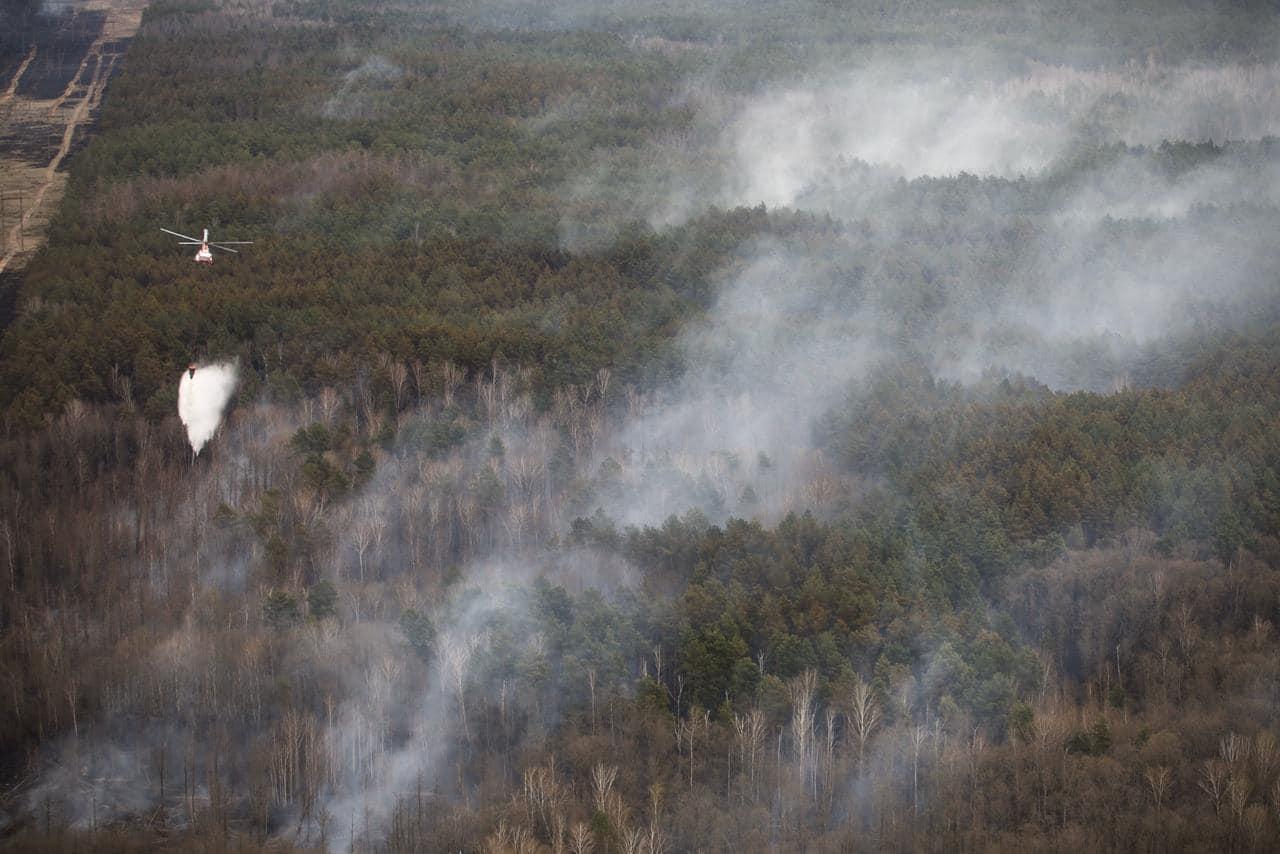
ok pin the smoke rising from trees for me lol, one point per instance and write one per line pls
(805, 545)
(940, 118)
(994, 216)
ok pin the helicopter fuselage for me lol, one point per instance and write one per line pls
(204, 255)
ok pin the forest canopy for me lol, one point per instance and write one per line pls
(657, 427)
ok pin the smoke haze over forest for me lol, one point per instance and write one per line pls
(654, 427)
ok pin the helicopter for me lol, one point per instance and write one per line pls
(203, 255)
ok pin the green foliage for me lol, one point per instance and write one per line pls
(1022, 722)
(553, 605)
(488, 490)
(434, 437)
(312, 440)
(1095, 741)
(419, 220)
(710, 661)
(1020, 469)
(322, 600)
(277, 553)
(419, 632)
(602, 829)
(599, 530)
(280, 609)
(365, 465)
(225, 516)
(651, 696)
(372, 237)
(324, 477)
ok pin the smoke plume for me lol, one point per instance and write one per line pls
(202, 396)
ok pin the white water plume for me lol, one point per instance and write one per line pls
(203, 393)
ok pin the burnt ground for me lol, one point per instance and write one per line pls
(58, 58)
(25, 22)
(29, 142)
(10, 284)
(57, 71)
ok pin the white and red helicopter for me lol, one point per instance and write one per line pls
(203, 255)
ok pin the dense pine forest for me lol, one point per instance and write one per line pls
(658, 427)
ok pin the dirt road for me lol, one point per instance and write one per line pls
(8, 94)
(37, 132)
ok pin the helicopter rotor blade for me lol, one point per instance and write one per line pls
(183, 236)
(224, 248)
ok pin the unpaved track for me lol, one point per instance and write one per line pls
(79, 113)
(30, 191)
(83, 107)
(8, 94)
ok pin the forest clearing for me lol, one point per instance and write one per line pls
(38, 128)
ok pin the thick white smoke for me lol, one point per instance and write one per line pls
(202, 396)
(940, 120)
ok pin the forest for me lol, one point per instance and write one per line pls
(725, 425)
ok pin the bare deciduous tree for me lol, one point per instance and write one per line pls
(1233, 750)
(1265, 756)
(544, 798)
(602, 779)
(451, 377)
(1237, 798)
(398, 374)
(656, 843)
(687, 732)
(580, 839)
(367, 533)
(455, 656)
(606, 800)
(864, 715)
(1213, 782)
(750, 731)
(801, 692)
(1158, 778)
(918, 737)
